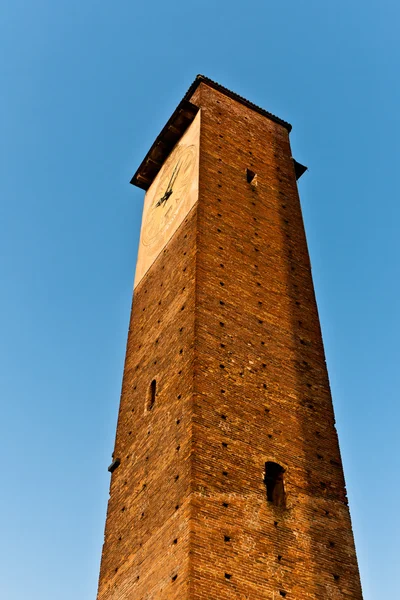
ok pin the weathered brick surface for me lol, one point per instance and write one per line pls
(140, 557)
(249, 386)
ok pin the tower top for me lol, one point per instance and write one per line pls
(220, 88)
(177, 124)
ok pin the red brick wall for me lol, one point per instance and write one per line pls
(233, 292)
(261, 386)
(149, 506)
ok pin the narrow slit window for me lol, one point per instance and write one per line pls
(152, 395)
(274, 482)
(251, 177)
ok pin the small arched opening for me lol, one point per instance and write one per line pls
(274, 483)
(151, 398)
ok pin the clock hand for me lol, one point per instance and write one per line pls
(164, 198)
(169, 187)
(168, 191)
(175, 174)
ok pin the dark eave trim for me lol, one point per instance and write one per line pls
(299, 169)
(176, 126)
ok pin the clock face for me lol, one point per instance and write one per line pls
(169, 198)
(169, 194)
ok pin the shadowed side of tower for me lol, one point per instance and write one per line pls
(228, 480)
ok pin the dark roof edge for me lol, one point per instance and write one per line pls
(175, 127)
(220, 88)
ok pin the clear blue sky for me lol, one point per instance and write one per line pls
(86, 86)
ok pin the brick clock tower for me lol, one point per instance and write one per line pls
(227, 481)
